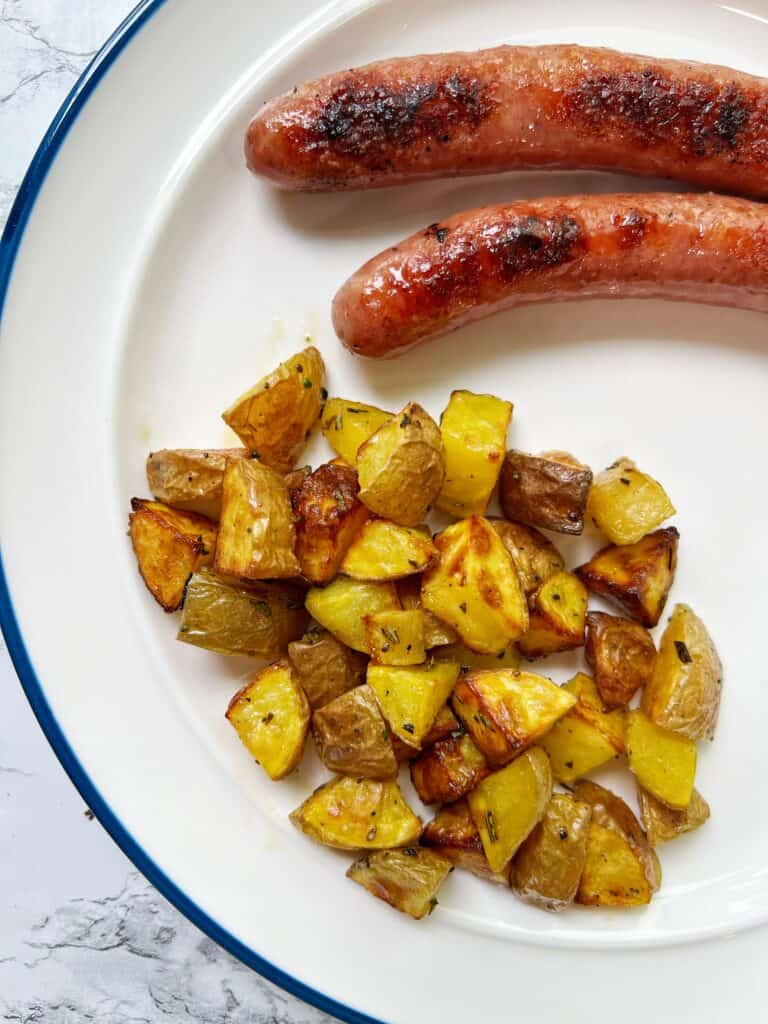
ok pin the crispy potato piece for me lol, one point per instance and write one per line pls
(274, 418)
(474, 429)
(271, 716)
(684, 691)
(444, 724)
(506, 710)
(295, 478)
(636, 577)
(328, 515)
(627, 504)
(169, 546)
(347, 425)
(325, 667)
(548, 491)
(534, 556)
(454, 835)
(621, 654)
(411, 697)
(448, 769)
(507, 805)
(662, 824)
(468, 659)
(341, 605)
(436, 633)
(402, 466)
(547, 868)
(382, 550)
(228, 617)
(475, 588)
(587, 737)
(662, 761)
(191, 478)
(613, 875)
(396, 637)
(352, 737)
(256, 531)
(406, 879)
(358, 814)
(557, 615)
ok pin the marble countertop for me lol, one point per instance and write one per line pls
(83, 936)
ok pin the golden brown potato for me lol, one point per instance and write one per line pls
(587, 737)
(328, 515)
(636, 577)
(557, 615)
(684, 691)
(662, 761)
(474, 587)
(396, 637)
(474, 430)
(382, 550)
(506, 710)
(662, 824)
(436, 633)
(547, 868)
(191, 478)
(613, 875)
(534, 556)
(402, 466)
(410, 697)
(341, 605)
(545, 491)
(507, 805)
(271, 716)
(352, 737)
(453, 834)
(274, 418)
(325, 667)
(467, 659)
(358, 814)
(295, 478)
(444, 724)
(621, 654)
(448, 769)
(256, 619)
(347, 425)
(626, 504)
(406, 879)
(256, 532)
(169, 546)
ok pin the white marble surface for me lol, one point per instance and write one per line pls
(83, 936)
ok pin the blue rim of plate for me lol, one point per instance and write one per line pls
(9, 246)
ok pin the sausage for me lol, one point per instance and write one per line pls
(697, 248)
(517, 107)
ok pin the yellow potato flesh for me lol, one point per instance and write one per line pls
(410, 697)
(663, 762)
(626, 504)
(474, 429)
(341, 606)
(348, 425)
(383, 550)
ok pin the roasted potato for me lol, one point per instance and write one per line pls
(474, 587)
(274, 418)
(662, 824)
(341, 605)
(406, 879)
(547, 868)
(352, 737)
(411, 697)
(627, 504)
(271, 716)
(358, 814)
(548, 491)
(636, 577)
(257, 619)
(474, 430)
(436, 633)
(557, 615)
(468, 659)
(506, 710)
(169, 546)
(662, 761)
(507, 805)
(402, 466)
(621, 654)
(534, 556)
(613, 875)
(382, 550)
(587, 737)
(454, 835)
(444, 724)
(328, 515)
(396, 637)
(347, 425)
(256, 532)
(684, 691)
(448, 769)
(325, 667)
(191, 478)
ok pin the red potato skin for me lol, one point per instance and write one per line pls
(695, 248)
(512, 108)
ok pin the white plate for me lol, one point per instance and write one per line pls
(155, 280)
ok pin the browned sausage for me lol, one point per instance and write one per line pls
(698, 248)
(517, 107)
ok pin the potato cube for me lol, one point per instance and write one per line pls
(352, 737)
(382, 550)
(534, 556)
(454, 835)
(328, 515)
(444, 724)
(347, 425)
(436, 633)
(557, 615)
(191, 478)
(626, 504)
(547, 868)
(663, 824)
(621, 655)
(411, 697)
(342, 605)
(613, 875)
(406, 879)
(548, 491)
(448, 769)
(396, 637)
(663, 762)
(468, 659)
(325, 667)
(587, 737)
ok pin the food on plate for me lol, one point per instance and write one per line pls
(557, 616)
(535, 556)
(325, 667)
(411, 696)
(505, 711)
(635, 577)
(383, 550)
(621, 654)
(358, 814)
(436, 633)
(231, 617)
(468, 659)
(449, 769)
(347, 425)
(662, 824)
(474, 430)
(407, 119)
(454, 835)
(626, 503)
(401, 467)
(190, 478)
(474, 587)
(396, 637)
(444, 724)
(697, 248)
(341, 605)
(548, 491)
(271, 716)
(585, 738)
(327, 516)
(547, 868)
(662, 761)
(352, 738)
(684, 691)
(406, 879)
(169, 546)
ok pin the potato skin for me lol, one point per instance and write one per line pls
(626, 504)
(325, 667)
(545, 492)
(406, 879)
(444, 724)
(191, 478)
(352, 737)
(621, 654)
(547, 868)
(328, 515)
(448, 769)
(613, 875)
(474, 431)
(453, 834)
(557, 617)
(535, 556)
(348, 425)
(662, 824)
